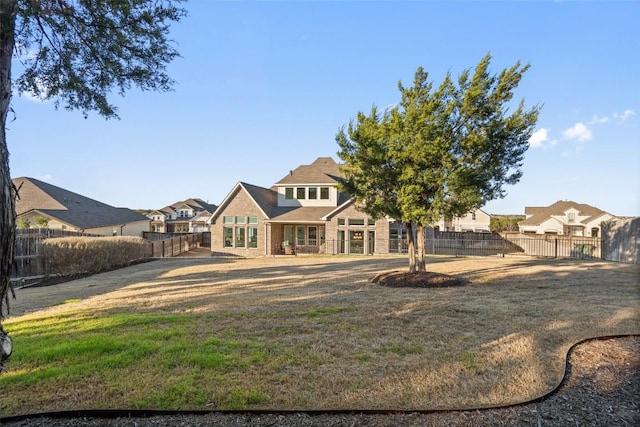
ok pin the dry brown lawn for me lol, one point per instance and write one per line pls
(501, 338)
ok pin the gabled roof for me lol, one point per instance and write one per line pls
(324, 170)
(194, 203)
(68, 207)
(200, 216)
(168, 210)
(264, 198)
(541, 214)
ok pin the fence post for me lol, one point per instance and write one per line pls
(555, 248)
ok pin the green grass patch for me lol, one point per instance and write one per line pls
(117, 348)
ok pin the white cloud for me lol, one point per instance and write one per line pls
(29, 96)
(598, 120)
(46, 177)
(624, 116)
(578, 131)
(540, 139)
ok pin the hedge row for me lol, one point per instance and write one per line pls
(80, 255)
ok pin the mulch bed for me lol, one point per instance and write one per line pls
(404, 279)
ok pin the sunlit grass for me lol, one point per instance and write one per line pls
(263, 334)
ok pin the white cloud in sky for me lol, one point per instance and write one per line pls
(625, 115)
(578, 131)
(46, 177)
(31, 97)
(540, 139)
(619, 117)
(597, 120)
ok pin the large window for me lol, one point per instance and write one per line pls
(236, 234)
(312, 236)
(253, 237)
(227, 234)
(288, 235)
(300, 193)
(313, 193)
(288, 193)
(240, 237)
(300, 235)
(324, 193)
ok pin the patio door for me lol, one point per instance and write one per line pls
(356, 242)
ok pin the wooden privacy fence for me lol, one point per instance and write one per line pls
(29, 261)
(174, 246)
(622, 240)
(28, 258)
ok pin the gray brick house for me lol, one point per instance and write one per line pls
(302, 213)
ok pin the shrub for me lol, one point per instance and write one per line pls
(73, 255)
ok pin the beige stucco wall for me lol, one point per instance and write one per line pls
(129, 229)
(482, 222)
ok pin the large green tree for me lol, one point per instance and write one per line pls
(442, 151)
(75, 53)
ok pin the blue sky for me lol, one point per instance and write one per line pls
(263, 87)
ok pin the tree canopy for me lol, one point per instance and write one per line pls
(76, 53)
(441, 151)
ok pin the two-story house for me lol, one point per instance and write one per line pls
(187, 216)
(302, 213)
(564, 218)
(477, 220)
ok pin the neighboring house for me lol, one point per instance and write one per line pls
(564, 218)
(187, 216)
(476, 220)
(64, 210)
(303, 212)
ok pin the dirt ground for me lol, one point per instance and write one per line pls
(601, 386)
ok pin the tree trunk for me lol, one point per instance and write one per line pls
(420, 264)
(411, 248)
(7, 194)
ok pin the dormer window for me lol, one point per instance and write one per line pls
(300, 193)
(288, 193)
(313, 193)
(571, 216)
(324, 193)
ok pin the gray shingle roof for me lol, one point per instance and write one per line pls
(324, 170)
(265, 198)
(69, 207)
(195, 203)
